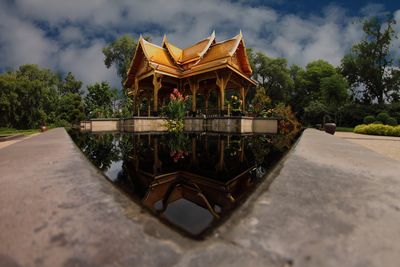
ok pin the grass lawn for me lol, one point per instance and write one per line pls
(344, 129)
(11, 131)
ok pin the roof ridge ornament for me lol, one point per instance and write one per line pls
(165, 40)
(238, 38)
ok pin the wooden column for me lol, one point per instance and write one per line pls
(222, 81)
(243, 92)
(206, 97)
(135, 95)
(148, 105)
(194, 87)
(156, 87)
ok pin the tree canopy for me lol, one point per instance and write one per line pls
(370, 67)
(32, 96)
(99, 100)
(120, 53)
(273, 75)
(70, 85)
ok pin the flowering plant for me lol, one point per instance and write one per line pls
(235, 103)
(175, 111)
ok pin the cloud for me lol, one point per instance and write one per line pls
(69, 35)
(373, 9)
(21, 42)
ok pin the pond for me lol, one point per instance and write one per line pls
(190, 181)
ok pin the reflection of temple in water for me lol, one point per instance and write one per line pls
(190, 181)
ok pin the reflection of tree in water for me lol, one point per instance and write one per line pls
(100, 149)
(261, 147)
(125, 145)
(265, 147)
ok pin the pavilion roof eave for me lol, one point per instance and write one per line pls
(242, 75)
(202, 71)
(218, 67)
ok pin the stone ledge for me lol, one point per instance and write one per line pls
(330, 203)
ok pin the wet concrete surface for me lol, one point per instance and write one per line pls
(332, 203)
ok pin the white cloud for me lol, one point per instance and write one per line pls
(87, 63)
(83, 26)
(21, 42)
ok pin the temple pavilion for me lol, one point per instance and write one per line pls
(209, 71)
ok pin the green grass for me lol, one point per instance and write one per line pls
(344, 129)
(12, 131)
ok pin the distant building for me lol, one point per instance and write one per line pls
(206, 71)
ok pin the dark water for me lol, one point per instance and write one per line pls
(191, 182)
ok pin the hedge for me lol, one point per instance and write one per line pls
(378, 129)
(352, 114)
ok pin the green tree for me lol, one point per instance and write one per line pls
(318, 90)
(125, 105)
(120, 53)
(311, 80)
(70, 85)
(99, 100)
(315, 112)
(334, 90)
(299, 97)
(370, 65)
(71, 108)
(274, 76)
(28, 97)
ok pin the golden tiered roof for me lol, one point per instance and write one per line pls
(206, 55)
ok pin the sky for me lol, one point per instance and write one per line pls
(68, 35)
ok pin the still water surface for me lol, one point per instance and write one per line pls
(190, 181)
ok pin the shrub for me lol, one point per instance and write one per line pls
(391, 121)
(378, 129)
(369, 119)
(352, 114)
(288, 123)
(383, 117)
(62, 123)
(377, 122)
(314, 113)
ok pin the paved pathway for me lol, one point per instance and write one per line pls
(4, 144)
(385, 145)
(330, 203)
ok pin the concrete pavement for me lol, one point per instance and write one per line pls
(15, 140)
(329, 203)
(388, 146)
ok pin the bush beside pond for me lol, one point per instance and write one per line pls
(378, 129)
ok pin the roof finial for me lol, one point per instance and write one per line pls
(165, 40)
(240, 33)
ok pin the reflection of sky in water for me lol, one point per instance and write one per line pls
(113, 170)
(188, 216)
